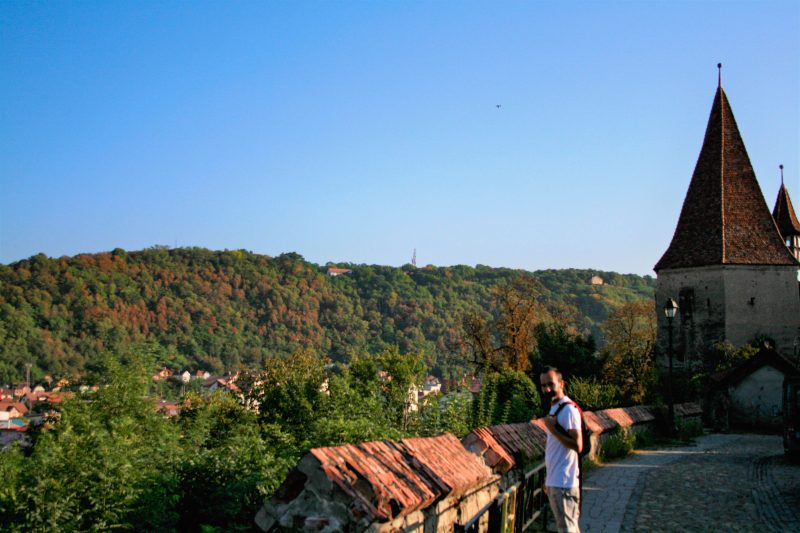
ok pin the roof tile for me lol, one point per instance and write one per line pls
(724, 218)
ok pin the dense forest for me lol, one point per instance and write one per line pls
(234, 310)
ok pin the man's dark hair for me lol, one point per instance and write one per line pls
(547, 369)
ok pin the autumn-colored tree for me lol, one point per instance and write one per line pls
(507, 341)
(630, 336)
(225, 311)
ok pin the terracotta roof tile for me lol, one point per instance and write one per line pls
(447, 462)
(784, 215)
(506, 446)
(724, 218)
(392, 479)
(481, 442)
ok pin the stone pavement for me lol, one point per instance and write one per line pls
(731, 482)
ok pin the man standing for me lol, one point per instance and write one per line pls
(564, 443)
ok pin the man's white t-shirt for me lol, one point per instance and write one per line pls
(561, 462)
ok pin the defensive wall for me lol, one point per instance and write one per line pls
(431, 484)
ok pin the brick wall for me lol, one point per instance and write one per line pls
(421, 484)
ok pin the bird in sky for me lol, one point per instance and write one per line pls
(498, 106)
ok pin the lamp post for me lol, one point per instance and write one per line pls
(669, 311)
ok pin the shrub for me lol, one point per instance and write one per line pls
(506, 397)
(688, 428)
(591, 395)
(644, 438)
(618, 443)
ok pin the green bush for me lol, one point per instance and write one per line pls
(688, 428)
(618, 443)
(644, 438)
(592, 395)
(506, 397)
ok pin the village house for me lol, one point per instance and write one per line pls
(431, 385)
(168, 408)
(10, 409)
(226, 382)
(164, 373)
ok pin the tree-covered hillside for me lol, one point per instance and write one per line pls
(224, 311)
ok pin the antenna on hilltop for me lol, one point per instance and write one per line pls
(414, 258)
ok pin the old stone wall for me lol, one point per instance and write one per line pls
(757, 400)
(421, 484)
(732, 303)
(762, 300)
(700, 321)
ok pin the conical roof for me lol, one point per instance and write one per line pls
(784, 214)
(724, 218)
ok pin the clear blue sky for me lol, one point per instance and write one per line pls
(359, 131)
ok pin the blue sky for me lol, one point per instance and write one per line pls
(360, 131)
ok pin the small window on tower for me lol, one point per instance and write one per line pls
(686, 303)
(788, 241)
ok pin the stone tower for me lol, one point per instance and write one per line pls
(786, 220)
(727, 265)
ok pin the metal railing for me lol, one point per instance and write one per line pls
(516, 510)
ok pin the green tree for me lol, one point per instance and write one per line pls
(630, 335)
(570, 352)
(228, 468)
(107, 462)
(288, 392)
(506, 397)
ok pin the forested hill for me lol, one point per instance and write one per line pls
(224, 311)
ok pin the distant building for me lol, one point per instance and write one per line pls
(332, 271)
(596, 280)
(10, 410)
(164, 373)
(226, 382)
(431, 385)
(728, 267)
(168, 408)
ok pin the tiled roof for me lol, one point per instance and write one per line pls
(765, 356)
(392, 479)
(8, 405)
(608, 419)
(508, 446)
(724, 218)
(784, 215)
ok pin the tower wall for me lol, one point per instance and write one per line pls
(762, 300)
(732, 303)
(700, 320)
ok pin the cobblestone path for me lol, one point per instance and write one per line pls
(739, 482)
